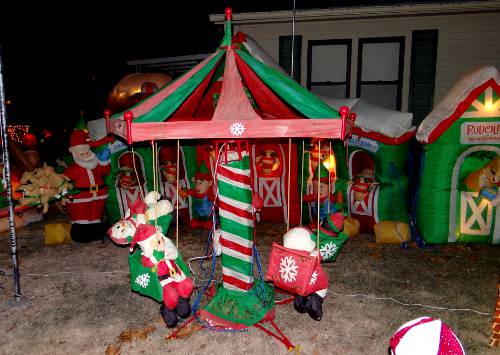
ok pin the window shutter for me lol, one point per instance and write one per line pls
(285, 58)
(423, 73)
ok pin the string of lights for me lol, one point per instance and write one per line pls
(17, 132)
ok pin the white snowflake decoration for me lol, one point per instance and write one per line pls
(159, 229)
(237, 128)
(288, 269)
(328, 250)
(142, 280)
(314, 277)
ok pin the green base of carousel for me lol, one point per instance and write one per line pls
(237, 310)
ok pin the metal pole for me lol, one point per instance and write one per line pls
(5, 153)
(293, 41)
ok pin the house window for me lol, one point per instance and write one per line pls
(380, 71)
(329, 67)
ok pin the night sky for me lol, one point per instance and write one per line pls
(68, 56)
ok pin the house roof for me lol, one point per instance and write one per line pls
(457, 101)
(324, 11)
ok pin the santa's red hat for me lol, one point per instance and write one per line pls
(167, 154)
(425, 336)
(79, 138)
(143, 232)
(137, 207)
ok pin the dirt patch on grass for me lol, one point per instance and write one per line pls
(79, 299)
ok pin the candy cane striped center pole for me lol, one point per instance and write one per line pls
(237, 224)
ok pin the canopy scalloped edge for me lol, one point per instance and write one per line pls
(228, 129)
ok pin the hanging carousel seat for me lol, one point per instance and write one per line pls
(295, 271)
(144, 280)
(330, 244)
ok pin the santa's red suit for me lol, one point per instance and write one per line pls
(87, 206)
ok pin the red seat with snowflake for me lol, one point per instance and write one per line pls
(295, 271)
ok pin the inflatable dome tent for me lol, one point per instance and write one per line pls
(377, 151)
(458, 198)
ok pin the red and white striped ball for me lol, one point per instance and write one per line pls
(425, 336)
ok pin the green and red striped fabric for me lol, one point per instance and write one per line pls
(237, 224)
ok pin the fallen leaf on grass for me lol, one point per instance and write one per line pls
(375, 254)
(473, 258)
(113, 349)
(316, 351)
(139, 333)
(372, 245)
(314, 337)
(185, 331)
(437, 259)
(454, 248)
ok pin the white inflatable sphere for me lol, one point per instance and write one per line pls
(299, 238)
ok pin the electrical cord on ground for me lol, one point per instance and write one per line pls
(3, 273)
(411, 304)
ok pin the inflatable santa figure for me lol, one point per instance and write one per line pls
(86, 208)
(160, 253)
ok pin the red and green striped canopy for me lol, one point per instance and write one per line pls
(230, 95)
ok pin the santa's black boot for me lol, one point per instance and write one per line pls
(314, 306)
(80, 233)
(169, 316)
(183, 307)
(299, 303)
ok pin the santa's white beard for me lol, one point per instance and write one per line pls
(87, 164)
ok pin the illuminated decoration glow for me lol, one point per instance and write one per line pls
(330, 164)
(488, 108)
(17, 132)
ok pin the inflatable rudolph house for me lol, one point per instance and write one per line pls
(458, 198)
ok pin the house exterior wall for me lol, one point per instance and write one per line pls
(466, 40)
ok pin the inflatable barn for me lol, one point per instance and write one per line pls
(126, 181)
(458, 199)
(370, 169)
